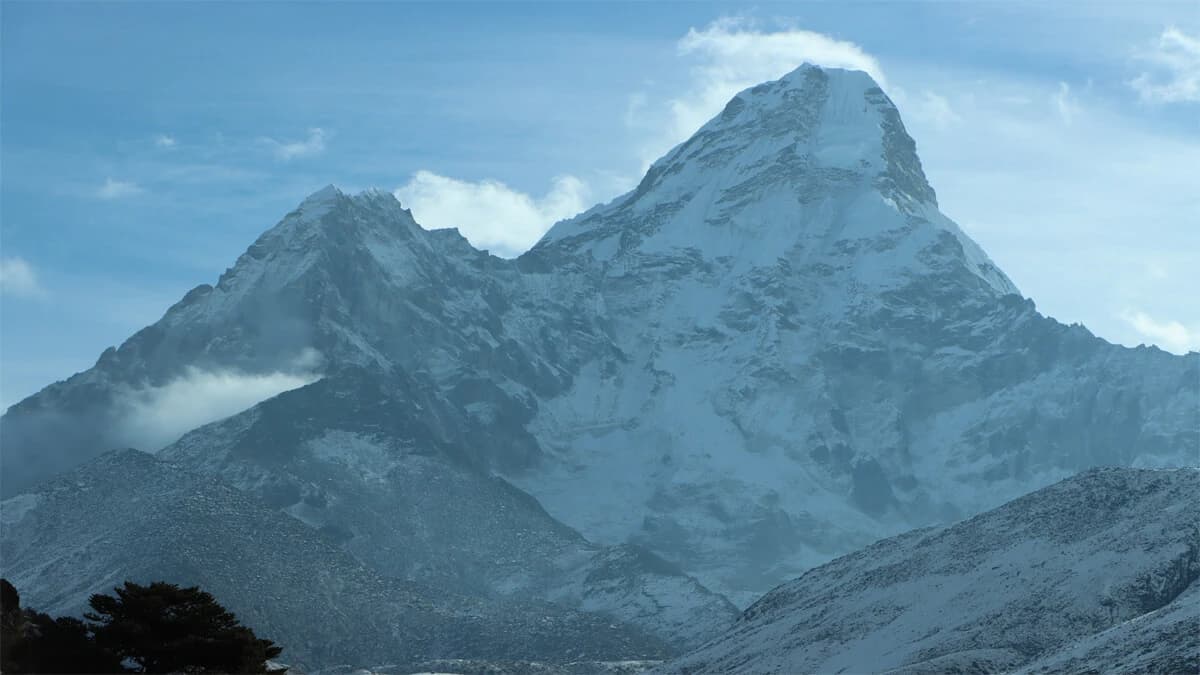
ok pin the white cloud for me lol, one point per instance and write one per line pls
(314, 144)
(1175, 73)
(637, 101)
(18, 278)
(488, 213)
(117, 189)
(1172, 336)
(156, 416)
(735, 56)
(1064, 104)
(934, 108)
(165, 141)
(1156, 271)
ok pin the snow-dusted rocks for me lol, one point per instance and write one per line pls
(127, 515)
(377, 465)
(1097, 573)
(806, 355)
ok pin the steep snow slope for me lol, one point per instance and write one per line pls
(127, 515)
(810, 356)
(817, 160)
(773, 351)
(1098, 571)
(375, 463)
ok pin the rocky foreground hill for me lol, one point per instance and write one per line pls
(1099, 573)
(127, 515)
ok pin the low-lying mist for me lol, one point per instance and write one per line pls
(153, 417)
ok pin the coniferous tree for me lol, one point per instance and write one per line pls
(12, 625)
(159, 628)
(62, 645)
(162, 628)
(32, 642)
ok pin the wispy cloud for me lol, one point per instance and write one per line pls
(18, 278)
(489, 213)
(1174, 74)
(1171, 335)
(735, 55)
(152, 417)
(931, 106)
(165, 141)
(637, 101)
(1064, 104)
(314, 144)
(118, 189)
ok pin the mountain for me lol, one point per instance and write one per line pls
(376, 454)
(809, 356)
(361, 458)
(127, 515)
(1097, 573)
(773, 351)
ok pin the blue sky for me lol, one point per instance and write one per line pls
(143, 146)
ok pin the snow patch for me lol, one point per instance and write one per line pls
(14, 510)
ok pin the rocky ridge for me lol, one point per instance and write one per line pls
(1096, 573)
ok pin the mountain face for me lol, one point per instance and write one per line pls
(809, 355)
(773, 351)
(126, 515)
(1097, 573)
(361, 459)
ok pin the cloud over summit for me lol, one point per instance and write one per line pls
(490, 214)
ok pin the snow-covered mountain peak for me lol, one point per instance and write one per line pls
(330, 220)
(825, 123)
(324, 198)
(315, 208)
(318, 275)
(331, 200)
(807, 100)
(815, 168)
